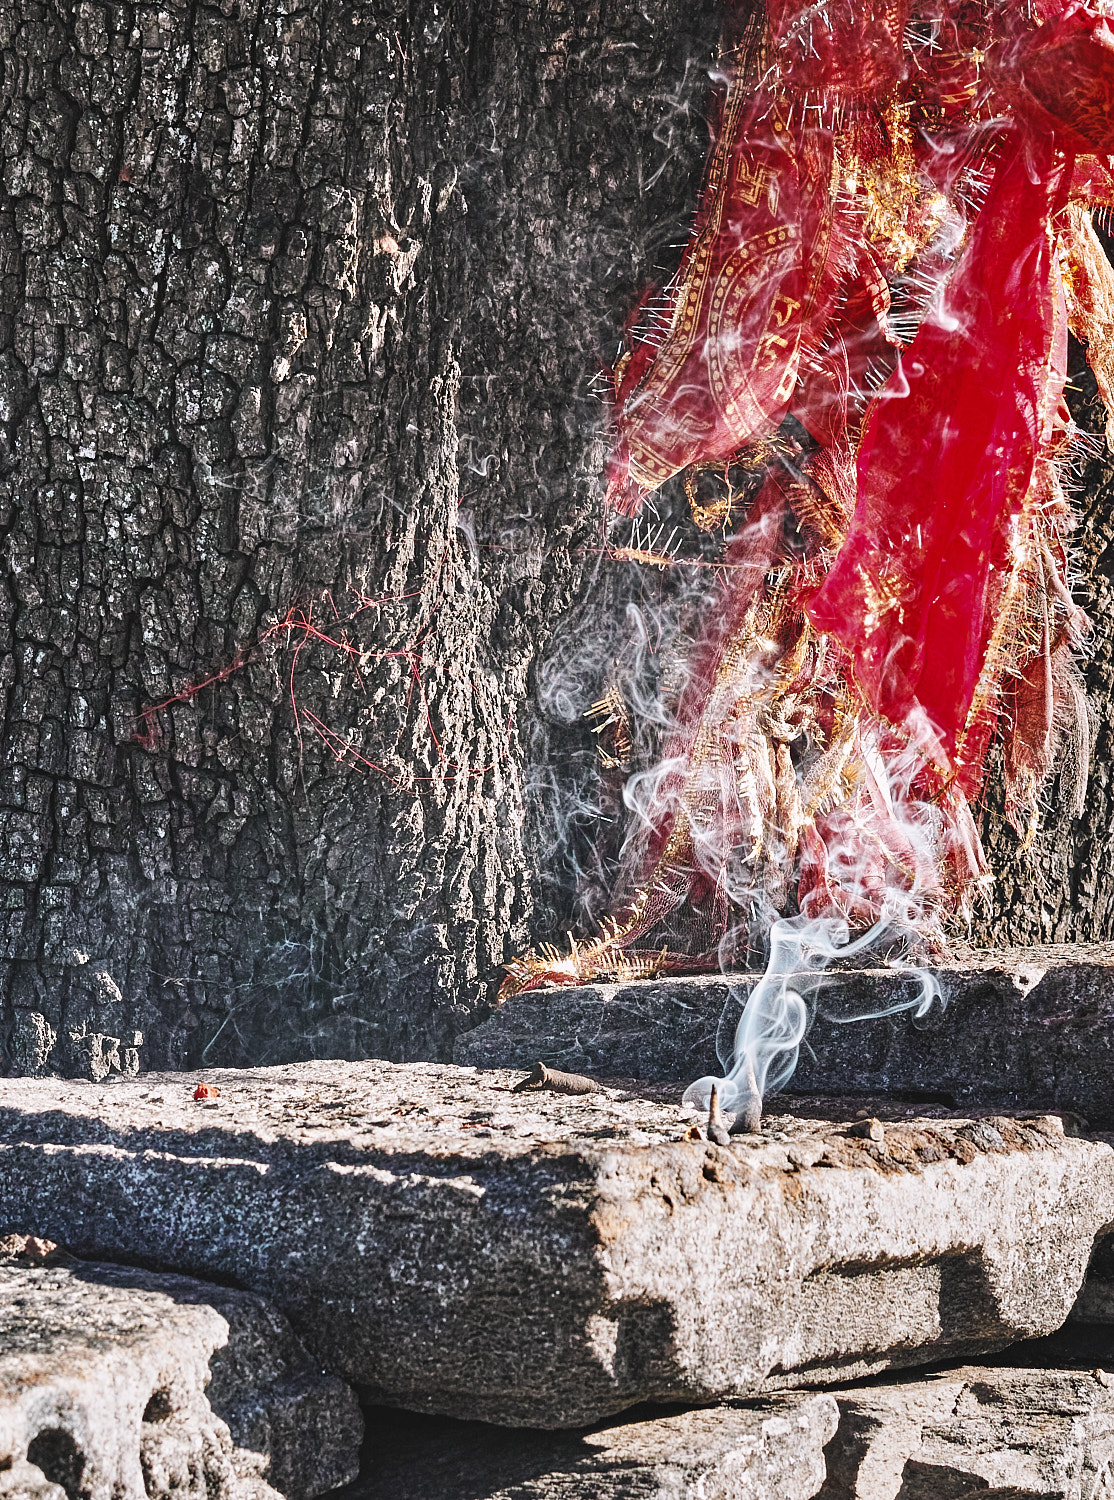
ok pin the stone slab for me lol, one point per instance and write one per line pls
(1095, 1303)
(1019, 1433)
(122, 1384)
(547, 1260)
(1023, 1028)
(773, 1450)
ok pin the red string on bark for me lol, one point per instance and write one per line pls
(299, 622)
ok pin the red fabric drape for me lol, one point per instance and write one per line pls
(947, 460)
(885, 252)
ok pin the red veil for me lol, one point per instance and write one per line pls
(892, 242)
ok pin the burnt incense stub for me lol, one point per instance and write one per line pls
(544, 1260)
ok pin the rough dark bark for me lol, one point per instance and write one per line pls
(300, 308)
(299, 305)
(1061, 889)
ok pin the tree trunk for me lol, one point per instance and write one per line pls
(301, 311)
(300, 308)
(1061, 889)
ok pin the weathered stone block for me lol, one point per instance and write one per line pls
(546, 1260)
(24, 1481)
(121, 1384)
(773, 1450)
(1022, 1028)
(1022, 1434)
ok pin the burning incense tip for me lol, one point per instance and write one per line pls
(717, 1130)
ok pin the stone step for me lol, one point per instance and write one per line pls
(975, 1431)
(1023, 1028)
(124, 1384)
(773, 1450)
(545, 1260)
(1018, 1433)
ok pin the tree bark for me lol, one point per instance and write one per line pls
(301, 304)
(1061, 888)
(301, 311)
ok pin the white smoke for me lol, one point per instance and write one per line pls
(780, 1009)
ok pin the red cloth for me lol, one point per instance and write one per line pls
(780, 305)
(720, 370)
(839, 706)
(947, 460)
(1066, 68)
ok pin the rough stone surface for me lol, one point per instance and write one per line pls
(1016, 1433)
(546, 1260)
(123, 1384)
(1027, 1028)
(772, 1450)
(1095, 1303)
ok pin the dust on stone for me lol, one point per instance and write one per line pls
(446, 1110)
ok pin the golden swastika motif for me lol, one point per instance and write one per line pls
(753, 183)
(753, 338)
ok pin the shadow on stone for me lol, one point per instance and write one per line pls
(54, 1451)
(770, 1450)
